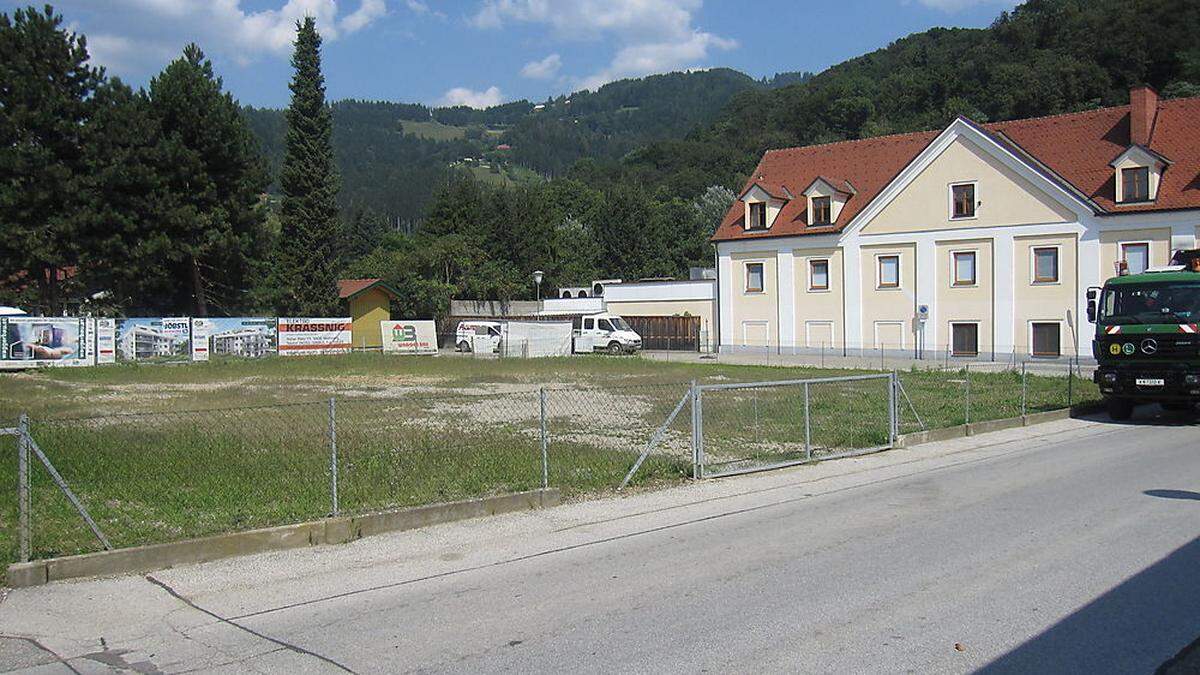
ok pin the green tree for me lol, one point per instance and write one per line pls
(308, 254)
(212, 209)
(46, 86)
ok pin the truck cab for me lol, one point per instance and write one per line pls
(605, 332)
(1147, 345)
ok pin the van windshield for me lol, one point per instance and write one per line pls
(1177, 302)
(619, 323)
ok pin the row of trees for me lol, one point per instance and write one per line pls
(153, 201)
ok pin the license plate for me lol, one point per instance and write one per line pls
(1150, 382)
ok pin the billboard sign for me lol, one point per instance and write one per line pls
(106, 340)
(154, 339)
(234, 337)
(409, 337)
(309, 335)
(47, 341)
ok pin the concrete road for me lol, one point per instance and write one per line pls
(1067, 547)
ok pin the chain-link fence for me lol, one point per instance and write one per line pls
(157, 477)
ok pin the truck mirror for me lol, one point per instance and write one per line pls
(1091, 294)
(1091, 309)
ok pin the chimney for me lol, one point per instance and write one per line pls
(1143, 107)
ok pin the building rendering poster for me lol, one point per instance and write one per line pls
(50, 341)
(234, 337)
(154, 339)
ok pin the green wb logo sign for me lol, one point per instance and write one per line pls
(402, 333)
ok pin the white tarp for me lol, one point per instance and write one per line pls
(409, 337)
(532, 339)
(309, 335)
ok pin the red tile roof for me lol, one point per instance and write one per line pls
(349, 287)
(1076, 147)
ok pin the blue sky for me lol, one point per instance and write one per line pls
(482, 52)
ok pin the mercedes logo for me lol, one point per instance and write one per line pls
(1149, 346)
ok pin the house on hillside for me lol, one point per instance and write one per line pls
(976, 241)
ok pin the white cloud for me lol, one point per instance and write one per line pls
(653, 36)
(421, 8)
(225, 26)
(471, 98)
(544, 69)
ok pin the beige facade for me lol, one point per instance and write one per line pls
(755, 313)
(819, 314)
(964, 300)
(1002, 196)
(889, 312)
(1045, 301)
(1112, 244)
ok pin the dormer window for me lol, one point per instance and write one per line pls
(822, 210)
(1135, 184)
(758, 215)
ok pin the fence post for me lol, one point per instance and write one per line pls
(1024, 388)
(968, 397)
(23, 485)
(807, 427)
(333, 456)
(1070, 382)
(697, 460)
(545, 438)
(893, 418)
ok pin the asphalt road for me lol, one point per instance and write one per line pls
(1069, 548)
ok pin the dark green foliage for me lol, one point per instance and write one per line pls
(45, 91)
(210, 210)
(304, 273)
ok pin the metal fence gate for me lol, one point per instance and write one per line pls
(743, 427)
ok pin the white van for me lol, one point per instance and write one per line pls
(478, 336)
(605, 333)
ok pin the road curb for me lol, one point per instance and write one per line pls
(339, 530)
(976, 428)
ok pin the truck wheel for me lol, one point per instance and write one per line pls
(1178, 407)
(614, 348)
(464, 346)
(1119, 409)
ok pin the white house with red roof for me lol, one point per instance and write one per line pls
(978, 241)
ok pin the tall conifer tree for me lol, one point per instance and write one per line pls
(308, 254)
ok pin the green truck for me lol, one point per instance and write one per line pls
(1147, 346)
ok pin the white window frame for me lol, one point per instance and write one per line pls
(766, 207)
(755, 322)
(1150, 196)
(1149, 251)
(746, 277)
(828, 275)
(954, 268)
(950, 200)
(1033, 278)
(1061, 342)
(950, 334)
(899, 271)
(889, 323)
(812, 210)
(808, 326)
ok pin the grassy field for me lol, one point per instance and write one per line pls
(434, 131)
(166, 452)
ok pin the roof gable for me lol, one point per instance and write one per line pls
(348, 288)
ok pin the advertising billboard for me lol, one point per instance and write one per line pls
(47, 341)
(234, 337)
(314, 335)
(409, 337)
(106, 340)
(154, 339)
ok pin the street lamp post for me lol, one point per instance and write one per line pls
(538, 275)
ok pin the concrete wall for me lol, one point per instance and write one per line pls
(1003, 197)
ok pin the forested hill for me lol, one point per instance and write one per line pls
(1045, 57)
(392, 156)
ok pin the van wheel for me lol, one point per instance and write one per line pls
(614, 348)
(464, 346)
(1119, 409)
